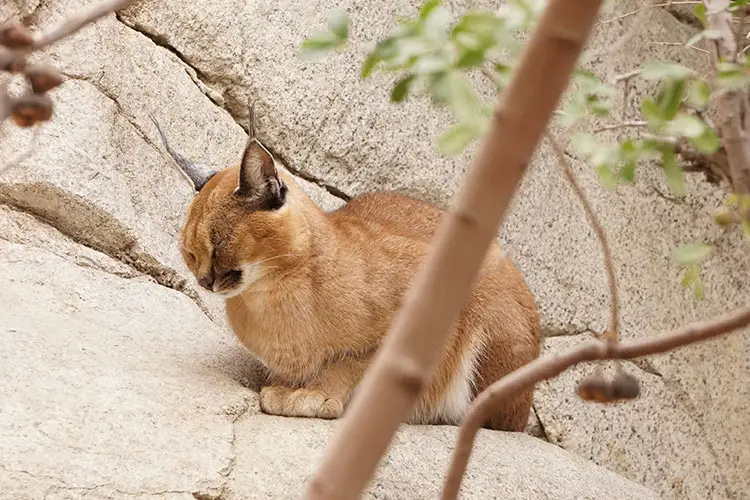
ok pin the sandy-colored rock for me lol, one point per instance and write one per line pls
(99, 172)
(329, 124)
(100, 175)
(503, 465)
(119, 388)
(111, 386)
(639, 439)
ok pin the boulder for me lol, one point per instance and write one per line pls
(91, 236)
(116, 387)
(343, 131)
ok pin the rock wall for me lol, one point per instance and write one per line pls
(138, 388)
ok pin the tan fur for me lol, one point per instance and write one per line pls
(328, 285)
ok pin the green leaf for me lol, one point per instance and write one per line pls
(585, 144)
(598, 106)
(698, 288)
(369, 65)
(435, 24)
(338, 22)
(673, 173)
(732, 76)
(746, 229)
(652, 113)
(698, 94)
(607, 176)
(401, 89)
(454, 139)
(470, 59)
(431, 63)
(686, 125)
(453, 89)
(318, 45)
(428, 7)
(627, 173)
(670, 97)
(700, 13)
(732, 199)
(707, 34)
(665, 71)
(708, 142)
(691, 253)
(690, 274)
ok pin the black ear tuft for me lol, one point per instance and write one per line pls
(196, 173)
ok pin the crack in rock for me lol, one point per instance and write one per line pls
(236, 413)
(119, 243)
(203, 81)
(196, 75)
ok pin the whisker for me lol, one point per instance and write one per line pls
(276, 257)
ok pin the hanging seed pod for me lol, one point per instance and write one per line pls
(625, 386)
(14, 35)
(43, 78)
(11, 60)
(31, 109)
(595, 387)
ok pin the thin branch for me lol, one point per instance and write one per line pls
(626, 76)
(5, 104)
(648, 7)
(731, 105)
(614, 326)
(552, 365)
(26, 153)
(404, 363)
(678, 44)
(616, 126)
(78, 20)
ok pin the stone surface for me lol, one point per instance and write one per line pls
(100, 176)
(327, 123)
(103, 401)
(639, 439)
(103, 393)
(503, 465)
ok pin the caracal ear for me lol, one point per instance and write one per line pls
(259, 178)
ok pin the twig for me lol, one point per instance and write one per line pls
(678, 44)
(732, 105)
(615, 126)
(5, 105)
(648, 7)
(626, 76)
(614, 326)
(405, 360)
(76, 21)
(552, 365)
(26, 153)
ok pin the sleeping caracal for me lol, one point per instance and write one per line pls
(311, 294)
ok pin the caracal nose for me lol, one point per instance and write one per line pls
(207, 282)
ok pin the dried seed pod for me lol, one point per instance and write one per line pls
(14, 35)
(31, 109)
(625, 386)
(11, 61)
(43, 78)
(595, 387)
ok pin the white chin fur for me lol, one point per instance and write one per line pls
(250, 274)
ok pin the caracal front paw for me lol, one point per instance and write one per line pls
(280, 400)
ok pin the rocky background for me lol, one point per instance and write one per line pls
(120, 378)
